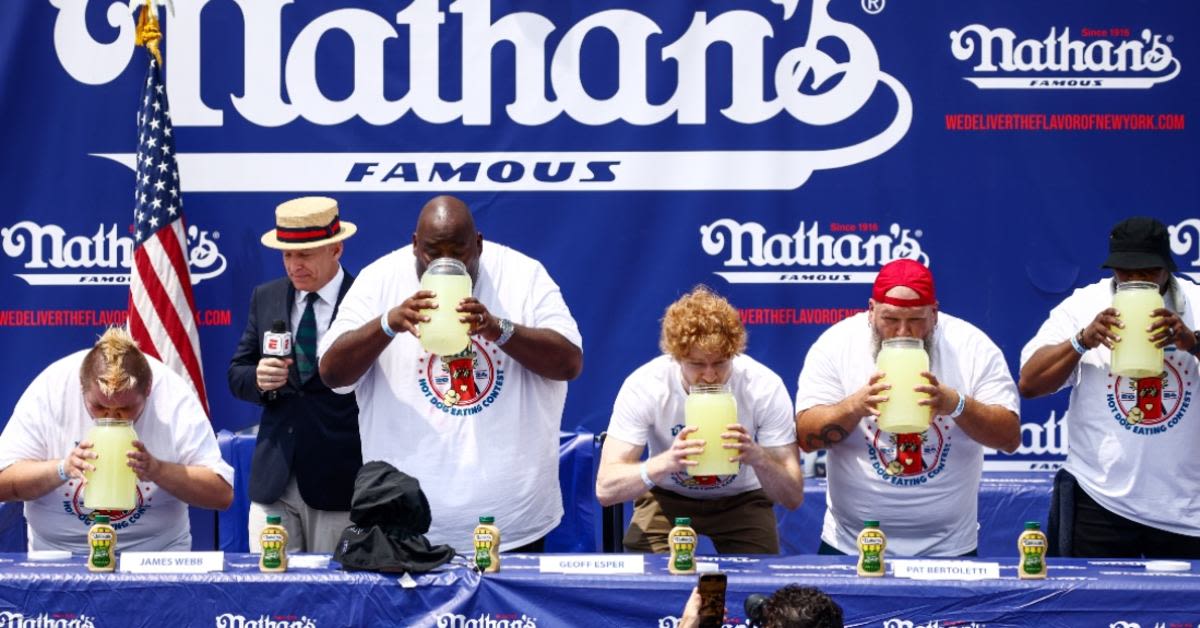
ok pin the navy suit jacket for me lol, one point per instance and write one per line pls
(308, 430)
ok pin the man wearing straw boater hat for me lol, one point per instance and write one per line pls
(308, 448)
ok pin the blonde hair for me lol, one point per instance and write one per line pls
(115, 364)
(704, 319)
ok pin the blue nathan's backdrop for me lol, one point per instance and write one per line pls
(779, 151)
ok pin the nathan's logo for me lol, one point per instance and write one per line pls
(1185, 242)
(10, 619)
(906, 623)
(671, 621)
(1060, 61)
(807, 255)
(486, 620)
(51, 258)
(778, 68)
(229, 620)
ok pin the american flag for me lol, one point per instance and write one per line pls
(162, 311)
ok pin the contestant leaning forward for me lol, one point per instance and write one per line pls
(491, 448)
(703, 342)
(176, 458)
(307, 452)
(1131, 477)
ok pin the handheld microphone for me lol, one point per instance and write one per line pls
(277, 343)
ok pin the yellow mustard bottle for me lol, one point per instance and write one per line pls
(102, 545)
(1032, 546)
(871, 544)
(487, 545)
(682, 540)
(274, 540)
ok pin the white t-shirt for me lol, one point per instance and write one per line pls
(495, 452)
(927, 504)
(649, 411)
(1140, 467)
(51, 418)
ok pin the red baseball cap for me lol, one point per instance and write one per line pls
(910, 274)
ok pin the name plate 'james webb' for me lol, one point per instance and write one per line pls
(171, 562)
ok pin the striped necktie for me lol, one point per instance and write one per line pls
(306, 340)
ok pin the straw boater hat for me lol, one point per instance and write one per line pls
(307, 222)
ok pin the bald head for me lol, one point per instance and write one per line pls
(446, 228)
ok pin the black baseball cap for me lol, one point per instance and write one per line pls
(1139, 242)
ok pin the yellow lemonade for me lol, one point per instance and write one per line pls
(711, 408)
(113, 485)
(902, 360)
(444, 335)
(1135, 355)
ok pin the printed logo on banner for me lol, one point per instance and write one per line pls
(1185, 242)
(937, 623)
(1148, 406)
(671, 621)
(10, 619)
(809, 85)
(462, 384)
(1134, 624)
(52, 258)
(1045, 442)
(486, 620)
(230, 620)
(808, 255)
(1110, 58)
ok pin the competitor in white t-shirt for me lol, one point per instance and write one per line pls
(703, 341)
(923, 488)
(44, 452)
(478, 429)
(1131, 463)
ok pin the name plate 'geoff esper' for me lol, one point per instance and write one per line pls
(593, 564)
(171, 562)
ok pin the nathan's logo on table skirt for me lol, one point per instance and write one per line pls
(937, 623)
(9, 619)
(229, 620)
(51, 257)
(487, 620)
(836, 253)
(642, 65)
(1086, 58)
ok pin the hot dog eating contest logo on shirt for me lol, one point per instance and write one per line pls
(465, 383)
(909, 459)
(1152, 405)
(698, 482)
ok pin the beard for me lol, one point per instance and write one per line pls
(877, 343)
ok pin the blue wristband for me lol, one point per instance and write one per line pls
(388, 331)
(1078, 346)
(962, 405)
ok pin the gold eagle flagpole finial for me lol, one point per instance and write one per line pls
(148, 34)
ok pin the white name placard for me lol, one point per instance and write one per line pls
(593, 564)
(171, 562)
(945, 570)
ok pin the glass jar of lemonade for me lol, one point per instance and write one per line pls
(113, 485)
(711, 407)
(444, 334)
(902, 360)
(1134, 355)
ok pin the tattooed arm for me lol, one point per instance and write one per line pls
(822, 426)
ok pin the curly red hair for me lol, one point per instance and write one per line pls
(704, 319)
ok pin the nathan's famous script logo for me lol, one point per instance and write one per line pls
(230, 620)
(937, 623)
(781, 68)
(465, 383)
(1152, 405)
(52, 258)
(909, 459)
(11, 619)
(1185, 243)
(1101, 60)
(807, 255)
(486, 620)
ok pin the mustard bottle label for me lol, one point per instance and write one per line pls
(871, 547)
(684, 557)
(101, 556)
(483, 549)
(1033, 552)
(272, 550)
